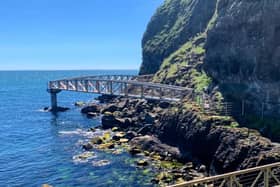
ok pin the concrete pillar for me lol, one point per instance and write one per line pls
(53, 94)
(54, 100)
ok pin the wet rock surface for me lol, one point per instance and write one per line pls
(153, 144)
(92, 108)
(57, 109)
(179, 141)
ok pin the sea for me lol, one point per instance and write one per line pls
(38, 147)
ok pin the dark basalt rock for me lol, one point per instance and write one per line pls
(87, 146)
(148, 128)
(92, 108)
(130, 135)
(152, 144)
(164, 104)
(80, 104)
(105, 98)
(109, 121)
(57, 109)
(110, 108)
(134, 151)
(222, 148)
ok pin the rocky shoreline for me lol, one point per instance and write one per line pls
(177, 141)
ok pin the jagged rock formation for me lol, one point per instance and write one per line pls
(187, 135)
(230, 46)
(215, 142)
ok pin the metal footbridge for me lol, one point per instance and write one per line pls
(118, 85)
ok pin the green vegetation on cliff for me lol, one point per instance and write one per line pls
(173, 25)
(221, 46)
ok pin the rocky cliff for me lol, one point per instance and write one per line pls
(174, 23)
(228, 45)
(175, 131)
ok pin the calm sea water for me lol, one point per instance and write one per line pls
(35, 147)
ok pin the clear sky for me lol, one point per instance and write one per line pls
(73, 34)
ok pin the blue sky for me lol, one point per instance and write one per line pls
(73, 34)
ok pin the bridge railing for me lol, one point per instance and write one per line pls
(120, 85)
(262, 176)
(107, 77)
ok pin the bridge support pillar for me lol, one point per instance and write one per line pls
(53, 94)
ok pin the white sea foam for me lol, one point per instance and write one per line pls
(84, 133)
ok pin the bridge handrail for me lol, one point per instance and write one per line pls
(226, 175)
(94, 76)
(122, 85)
(155, 85)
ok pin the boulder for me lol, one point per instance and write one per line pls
(88, 146)
(202, 169)
(124, 140)
(96, 140)
(105, 98)
(92, 114)
(109, 121)
(80, 103)
(105, 146)
(149, 118)
(146, 129)
(130, 134)
(110, 108)
(164, 104)
(142, 163)
(134, 150)
(118, 136)
(115, 129)
(141, 105)
(92, 108)
(152, 144)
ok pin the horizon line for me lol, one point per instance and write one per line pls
(69, 69)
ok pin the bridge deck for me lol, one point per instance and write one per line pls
(120, 85)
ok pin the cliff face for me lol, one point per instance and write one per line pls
(230, 44)
(243, 50)
(221, 147)
(173, 25)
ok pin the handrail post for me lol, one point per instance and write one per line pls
(160, 93)
(231, 181)
(67, 84)
(76, 85)
(86, 85)
(125, 89)
(110, 87)
(97, 87)
(266, 177)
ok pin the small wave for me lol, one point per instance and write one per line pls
(84, 133)
(42, 110)
(101, 163)
(75, 132)
(84, 157)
